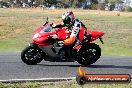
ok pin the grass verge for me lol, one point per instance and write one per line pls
(68, 84)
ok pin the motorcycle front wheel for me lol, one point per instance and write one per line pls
(90, 54)
(32, 55)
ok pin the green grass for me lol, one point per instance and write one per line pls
(19, 85)
(16, 29)
(68, 84)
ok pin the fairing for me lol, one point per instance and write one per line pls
(40, 37)
(62, 35)
(95, 35)
(42, 34)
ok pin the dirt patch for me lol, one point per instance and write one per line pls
(17, 31)
(2, 37)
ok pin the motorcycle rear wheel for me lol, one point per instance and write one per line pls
(32, 55)
(92, 53)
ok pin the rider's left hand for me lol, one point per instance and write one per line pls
(53, 25)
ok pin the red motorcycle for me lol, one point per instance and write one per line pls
(45, 46)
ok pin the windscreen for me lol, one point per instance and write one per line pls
(47, 28)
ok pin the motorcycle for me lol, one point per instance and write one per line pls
(45, 46)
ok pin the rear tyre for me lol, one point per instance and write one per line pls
(32, 55)
(90, 54)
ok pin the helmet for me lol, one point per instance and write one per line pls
(68, 17)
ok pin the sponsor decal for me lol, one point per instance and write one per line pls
(83, 78)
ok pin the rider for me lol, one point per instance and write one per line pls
(75, 25)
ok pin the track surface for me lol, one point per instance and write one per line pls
(11, 67)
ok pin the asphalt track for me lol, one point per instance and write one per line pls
(11, 67)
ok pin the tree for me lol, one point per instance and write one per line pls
(51, 1)
(76, 3)
(95, 1)
(113, 3)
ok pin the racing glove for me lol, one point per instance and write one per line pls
(57, 26)
(53, 25)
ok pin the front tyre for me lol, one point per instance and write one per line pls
(90, 54)
(32, 55)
